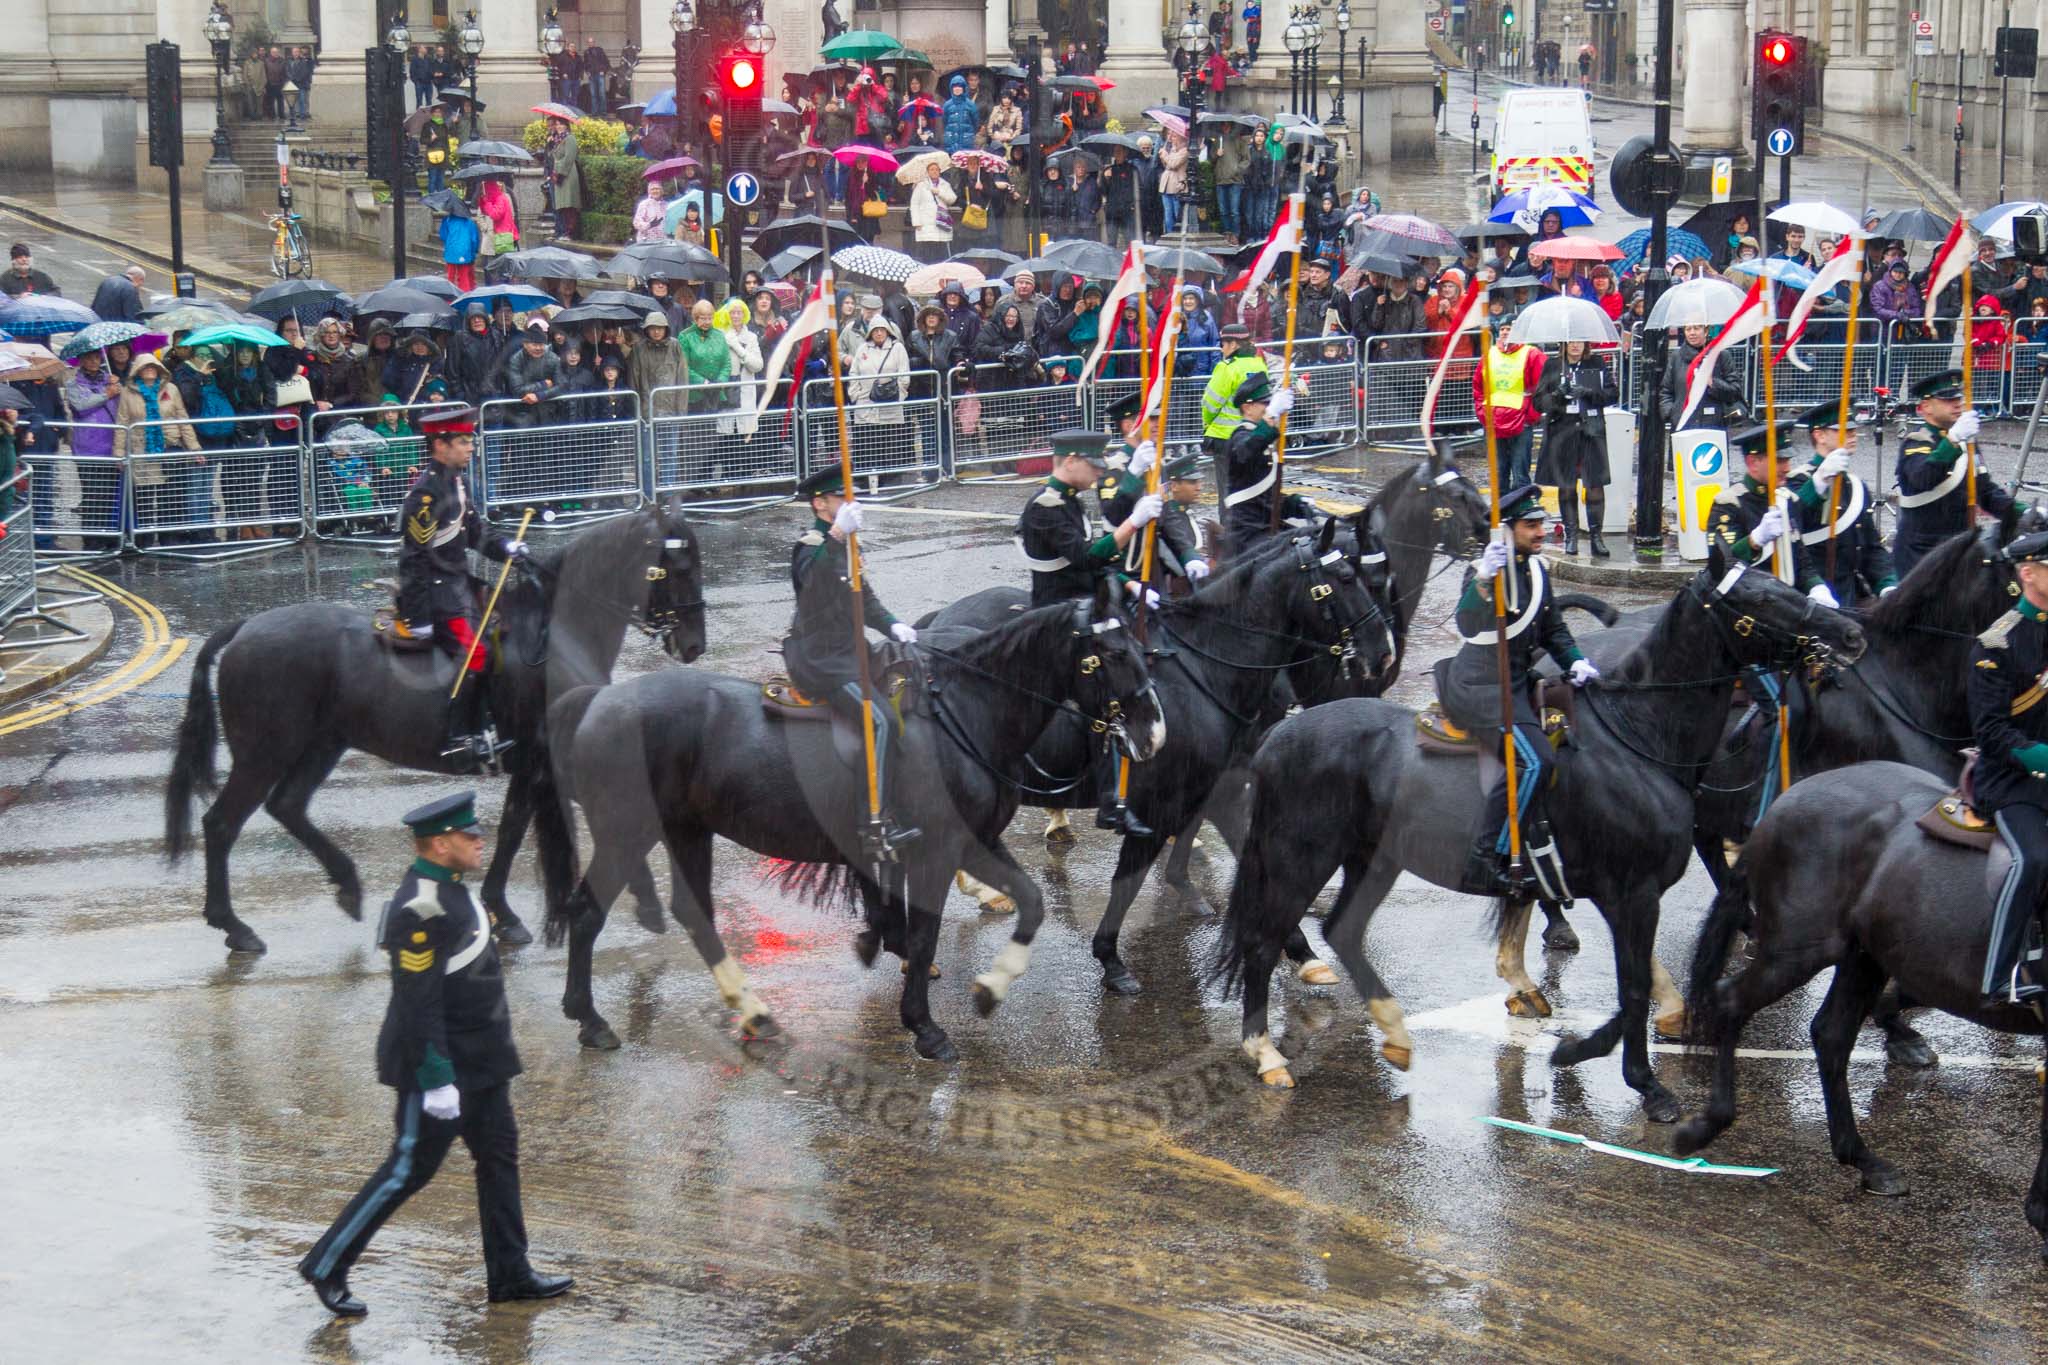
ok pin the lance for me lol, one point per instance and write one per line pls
(1781, 550)
(477, 641)
(1969, 397)
(1295, 208)
(1500, 619)
(1842, 430)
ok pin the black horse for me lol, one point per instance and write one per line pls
(679, 756)
(301, 685)
(1839, 875)
(1344, 785)
(1219, 651)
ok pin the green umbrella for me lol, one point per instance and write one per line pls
(908, 56)
(236, 333)
(860, 44)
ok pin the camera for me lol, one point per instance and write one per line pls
(2030, 237)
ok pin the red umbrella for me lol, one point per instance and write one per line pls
(1576, 249)
(922, 104)
(970, 157)
(1103, 82)
(665, 170)
(565, 112)
(874, 158)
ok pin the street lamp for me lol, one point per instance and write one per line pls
(682, 20)
(1343, 41)
(1194, 48)
(1295, 39)
(471, 40)
(1315, 63)
(220, 33)
(757, 38)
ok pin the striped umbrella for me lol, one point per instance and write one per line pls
(875, 262)
(41, 315)
(1417, 236)
(98, 337)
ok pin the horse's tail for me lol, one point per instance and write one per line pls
(554, 831)
(192, 766)
(1247, 936)
(1596, 607)
(1730, 911)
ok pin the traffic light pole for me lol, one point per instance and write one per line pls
(1653, 443)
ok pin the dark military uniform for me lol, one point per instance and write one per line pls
(2008, 691)
(447, 1025)
(1179, 545)
(1933, 504)
(441, 526)
(1741, 505)
(1249, 472)
(1065, 550)
(1863, 566)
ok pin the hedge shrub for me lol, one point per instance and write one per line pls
(604, 229)
(594, 136)
(612, 184)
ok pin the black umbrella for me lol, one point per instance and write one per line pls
(804, 229)
(1913, 225)
(1487, 232)
(1074, 85)
(605, 312)
(789, 260)
(1181, 258)
(1039, 268)
(486, 150)
(429, 320)
(665, 260)
(394, 301)
(286, 297)
(11, 397)
(483, 170)
(1212, 120)
(171, 303)
(450, 94)
(825, 70)
(1110, 141)
(1084, 257)
(1376, 263)
(1066, 156)
(618, 298)
(991, 74)
(448, 202)
(1713, 223)
(550, 263)
(441, 288)
(987, 258)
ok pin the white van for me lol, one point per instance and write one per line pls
(1543, 137)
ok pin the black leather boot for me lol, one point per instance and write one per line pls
(334, 1296)
(1596, 512)
(1568, 514)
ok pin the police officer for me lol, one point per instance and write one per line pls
(1471, 694)
(2010, 723)
(1862, 564)
(819, 647)
(1750, 529)
(1248, 467)
(446, 1048)
(1241, 360)
(435, 598)
(1933, 504)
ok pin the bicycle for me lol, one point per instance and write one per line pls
(290, 255)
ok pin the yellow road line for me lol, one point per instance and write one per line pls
(159, 651)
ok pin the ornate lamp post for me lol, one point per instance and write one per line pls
(1295, 39)
(1343, 41)
(471, 40)
(397, 40)
(220, 34)
(682, 20)
(1315, 62)
(551, 48)
(1194, 44)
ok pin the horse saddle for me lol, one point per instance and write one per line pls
(1437, 733)
(1955, 820)
(893, 667)
(388, 628)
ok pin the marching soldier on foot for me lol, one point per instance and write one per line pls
(436, 600)
(1862, 564)
(1750, 529)
(1471, 696)
(2010, 724)
(1933, 504)
(446, 1048)
(819, 647)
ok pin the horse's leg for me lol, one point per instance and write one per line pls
(1858, 982)
(223, 821)
(2037, 1193)
(1133, 860)
(1558, 934)
(287, 805)
(1633, 923)
(924, 893)
(1259, 960)
(646, 899)
(1670, 1002)
(1176, 870)
(513, 823)
(690, 856)
(1904, 1045)
(1059, 832)
(1363, 890)
(1526, 999)
(990, 899)
(586, 910)
(993, 986)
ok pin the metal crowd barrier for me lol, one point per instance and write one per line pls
(1911, 355)
(582, 469)
(1327, 416)
(707, 444)
(195, 496)
(993, 428)
(17, 561)
(81, 500)
(898, 443)
(360, 463)
(2029, 359)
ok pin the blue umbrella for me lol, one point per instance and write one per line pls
(662, 105)
(40, 315)
(1776, 269)
(1677, 242)
(681, 204)
(522, 297)
(1997, 220)
(1529, 206)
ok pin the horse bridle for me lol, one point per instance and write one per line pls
(654, 621)
(1342, 646)
(1111, 721)
(1791, 645)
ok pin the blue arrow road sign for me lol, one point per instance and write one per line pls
(1779, 143)
(743, 189)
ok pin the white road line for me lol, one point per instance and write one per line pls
(962, 513)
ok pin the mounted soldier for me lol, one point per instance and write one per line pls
(1469, 687)
(819, 648)
(2009, 664)
(1933, 504)
(1248, 467)
(436, 598)
(1862, 564)
(1067, 555)
(1751, 530)
(1178, 551)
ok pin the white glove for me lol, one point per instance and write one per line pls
(847, 521)
(903, 634)
(1768, 528)
(1493, 560)
(1823, 594)
(442, 1102)
(1966, 427)
(1583, 672)
(1138, 590)
(1198, 569)
(1146, 510)
(1887, 590)
(1831, 465)
(518, 549)
(1143, 458)
(1282, 404)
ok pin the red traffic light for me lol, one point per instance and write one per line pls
(1777, 52)
(740, 75)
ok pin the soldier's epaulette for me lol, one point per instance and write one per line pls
(1048, 497)
(1995, 636)
(425, 905)
(811, 537)
(1732, 494)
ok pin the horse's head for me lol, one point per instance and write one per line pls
(1765, 621)
(1459, 517)
(1330, 599)
(1113, 686)
(673, 607)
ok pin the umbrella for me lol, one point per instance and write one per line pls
(98, 337)
(617, 298)
(1528, 207)
(669, 169)
(905, 56)
(1677, 242)
(235, 334)
(550, 263)
(455, 94)
(663, 260)
(777, 107)
(632, 111)
(484, 149)
(855, 153)
(481, 171)
(1066, 156)
(823, 71)
(171, 303)
(808, 149)
(805, 229)
(1775, 268)
(1378, 263)
(1176, 124)
(1179, 111)
(1913, 225)
(1213, 120)
(875, 262)
(1487, 232)
(26, 360)
(522, 297)
(567, 112)
(1511, 282)
(913, 170)
(1815, 216)
(439, 286)
(1038, 267)
(783, 292)
(1181, 258)
(971, 158)
(1575, 249)
(11, 397)
(933, 278)
(1084, 257)
(1553, 321)
(40, 315)
(1110, 141)
(693, 198)
(418, 118)
(604, 312)
(791, 259)
(191, 317)
(1696, 303)
(448, 202)
(394, 301)
(986, 256)
(922, 104)
(1418, 235)
(1997, 221)
(662, 105)
(860, 45)
(1713, 223)
(1084, 85)
(427, 320)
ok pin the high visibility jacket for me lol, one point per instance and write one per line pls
(1219, 399)
(1504, 383)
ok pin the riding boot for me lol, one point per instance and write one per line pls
(1112, 813)
(1541, 850)
(1596, 513)
(885, 832)
(462, 738)
(2012, 976)
(1568, 515)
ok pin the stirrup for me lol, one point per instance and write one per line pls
(1548, 868)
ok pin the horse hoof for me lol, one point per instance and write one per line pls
(1061, 836)
(1881, 1177)
(1397, 1056)
(1560, 937)
(1279, 1078)
(1000, 905)
(598, 1037)
(936, 1047)
(1692, 1135)
(1117, 979)
(1316, 972)
(1661, 1108)
(760, 1029)
(865, 945)
(350, 899)
(1529, 1004)
(1570, 1051)
(903, 969)
(512, 934)
(1670, 1028)
(1912, 1050)
(243, 939)
(985, 1001)
(650, 918)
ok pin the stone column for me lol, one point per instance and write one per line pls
(1715, 103)
(338, 82)
(1136, 60)
(1395, 119)
(1024, 25)
(297, 24)
(510, 77)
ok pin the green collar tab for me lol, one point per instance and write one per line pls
(434, 872)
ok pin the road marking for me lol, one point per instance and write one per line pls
(159, 651)
(964, 514)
